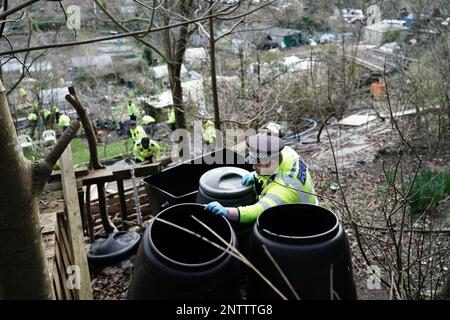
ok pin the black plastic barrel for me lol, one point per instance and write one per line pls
(309, 245)
(173, 264)
(223, 185)
(180, 183)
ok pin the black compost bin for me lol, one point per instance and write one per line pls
(223, 184)
(179, 183)
(173, 264)
(309, 244)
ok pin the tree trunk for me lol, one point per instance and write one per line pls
(212, 52)
(23, 267)
(72, 98)
(177, 94)
(445, 293)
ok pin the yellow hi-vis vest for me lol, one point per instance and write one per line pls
(64, 121)
(170, 115)
(46, 113)
(209, 132)
(147, 119)
(32, 116)
(137, 134)
(132, 109)
(291, 183)
(141, 153)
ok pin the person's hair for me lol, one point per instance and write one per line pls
(145, 142)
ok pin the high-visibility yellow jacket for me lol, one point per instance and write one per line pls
(46, 113)
(170, 115)
(147, 119)
(141, 153)
(32, 116)
(209, 132)
(137, 134)
(22, 92)
(132, 109)
(64, 121)
(291, 183)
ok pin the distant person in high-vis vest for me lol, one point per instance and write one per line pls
(136, 132)
(171, 118)
(47, 114)
(32, 120)
(209, 132)
(132, 110)
(64, 122)
(146, 150)
(55, 112)
(280, 177)
(149, 122)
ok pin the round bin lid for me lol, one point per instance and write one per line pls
(224, 182)
(115, 247)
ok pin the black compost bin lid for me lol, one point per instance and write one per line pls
(224, 182)
(117, 246)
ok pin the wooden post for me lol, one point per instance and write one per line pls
(123, 204)
(106, 221)
(90, 221)
(75, 226)
(82, 207)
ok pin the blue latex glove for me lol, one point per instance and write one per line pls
(217, 209)
(248, 179)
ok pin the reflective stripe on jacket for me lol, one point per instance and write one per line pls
(291, 183)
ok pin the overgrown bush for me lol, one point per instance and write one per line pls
(428, 188)
(391, 36)
(148, 56)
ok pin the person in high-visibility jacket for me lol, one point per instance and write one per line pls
(136, 132)
(148, 123)
(146, 120)
(281, 177)
(171, 118)
(146, 150)
(32, 120)
(35, 107)
(55, 112)
(22, 92)
(47, 117)
(32, 117)
(209, 132)
(64, 122)
(132, 110)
